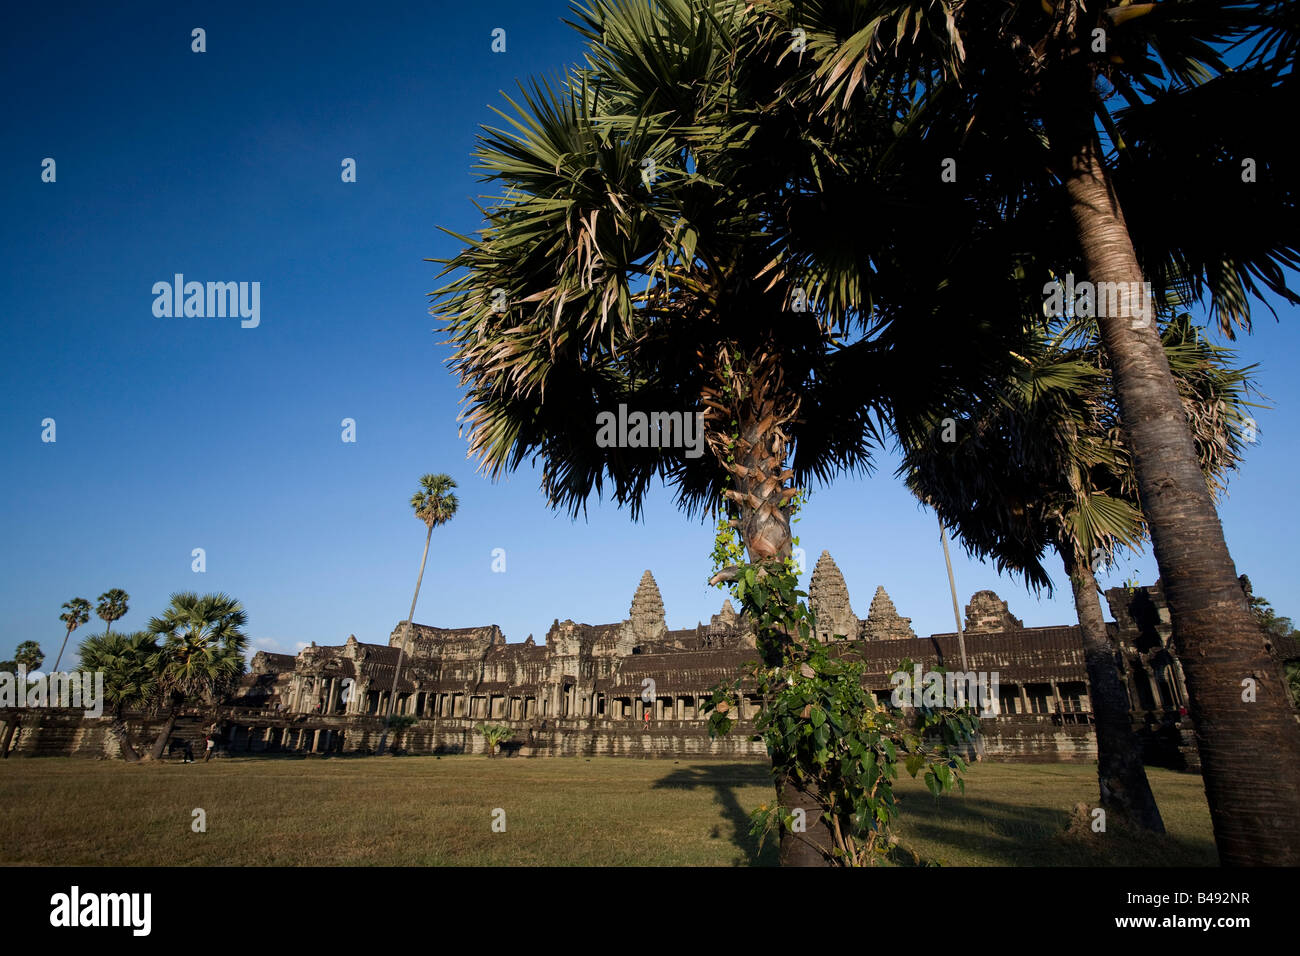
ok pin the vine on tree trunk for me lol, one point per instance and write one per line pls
(821, 726)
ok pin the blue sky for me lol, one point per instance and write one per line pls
(183, 433)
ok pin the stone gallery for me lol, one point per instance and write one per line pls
(637, 688)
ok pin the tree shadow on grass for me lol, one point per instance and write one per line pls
(724, 780)
(997, 833)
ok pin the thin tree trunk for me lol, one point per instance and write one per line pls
(978, 742)
(952, 587)
(1249, 748)
(406, 633)
(59, 659)
(1121, 775)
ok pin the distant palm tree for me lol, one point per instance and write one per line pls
(29, 654)
(76, 613)
(435, 505)
(112, 606)
(129, 664)
(494, 735)
(202, 654)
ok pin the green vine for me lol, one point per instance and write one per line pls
(823, 728)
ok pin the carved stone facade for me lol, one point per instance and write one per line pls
(637, 688)
(647, 612)
(589, 688)
(987, 614)
(883, 622)
(828, 595)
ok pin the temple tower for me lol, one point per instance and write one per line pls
(828, 597)
(987, 613)
(647, 612)
(883, 622)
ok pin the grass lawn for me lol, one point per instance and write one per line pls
(563, 811)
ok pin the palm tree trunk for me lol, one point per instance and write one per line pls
(1120, 772)
(406, 633)
(10, 726)
(118, 729)
(760, 492)
(1249, 748)
(952, 587)
(160, 742)
(62, 648)
(978, 742)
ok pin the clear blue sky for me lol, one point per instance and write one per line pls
(181, 433)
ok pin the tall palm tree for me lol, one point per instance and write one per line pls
(629, 262)
(1045, 467)
(129, 663)
(112, 607)
(435, 505)
(75, 613)
(202, 654)
(1022, 96)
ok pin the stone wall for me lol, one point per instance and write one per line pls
(588, 688)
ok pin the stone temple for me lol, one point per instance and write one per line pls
(587, 688)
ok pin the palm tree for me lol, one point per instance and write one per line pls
(202, 654)
(1014, 93)
(435, 505)
(129, 664)
(1046, 467)
(112, 607)
(76, 613)
(630, 262)
(29, 655)
(494, 735)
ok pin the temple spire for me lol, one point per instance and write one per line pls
(883, 620)
(647, 611)
(828, 597)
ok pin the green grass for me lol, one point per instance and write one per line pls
(565, 811)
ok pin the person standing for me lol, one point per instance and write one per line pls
(212, 743)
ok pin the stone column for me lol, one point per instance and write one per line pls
(1154, 684)
(1024, 699)
(1179, 683)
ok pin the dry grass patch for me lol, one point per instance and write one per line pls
(425, 811)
